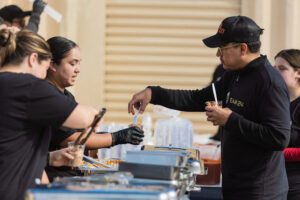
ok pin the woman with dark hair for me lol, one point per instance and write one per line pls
(288, 64)
(63, 71)
(29, 110)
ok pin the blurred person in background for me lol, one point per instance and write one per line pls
(288, 64)
(254, 118)
(13, 15)
(63, 71)
(30, 107)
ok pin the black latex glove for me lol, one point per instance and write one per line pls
(132, 135)
(38, 7)
(34, 21)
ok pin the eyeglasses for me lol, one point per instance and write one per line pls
(221, 49)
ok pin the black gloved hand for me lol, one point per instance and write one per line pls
(38, 7)
(132, 135)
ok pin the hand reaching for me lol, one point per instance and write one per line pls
(132, 135)
(139, 101)
(38, 7)
(61, 157)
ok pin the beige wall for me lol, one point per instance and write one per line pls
(280, 19)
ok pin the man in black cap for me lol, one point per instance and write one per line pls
(254, 119)
(15, 16)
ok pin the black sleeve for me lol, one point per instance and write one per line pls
(47, 106)
(295, 128)
(188, 100)
(273, 130)
(34, 22)
(184, 100)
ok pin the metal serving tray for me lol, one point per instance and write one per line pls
(149, 171)
(162, 158)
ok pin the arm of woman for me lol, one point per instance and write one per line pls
(95, 141)
(131, 135)
(81, 117)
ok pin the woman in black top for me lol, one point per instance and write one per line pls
(63, 71)
(28, 111)
(288, 64)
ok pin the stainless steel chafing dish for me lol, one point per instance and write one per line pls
(164, 165)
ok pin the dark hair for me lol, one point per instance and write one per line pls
(14, 47)
(254, 47)
(11, 12)
(292, 56)
(1, 20)
(60, 48)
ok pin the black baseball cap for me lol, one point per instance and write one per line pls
(237, 29)
(8, 13)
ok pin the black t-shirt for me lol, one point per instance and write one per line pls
(295, 117)
(58, 136)
(29, 107)
(293, 168)
(61, 133)
(256, 132)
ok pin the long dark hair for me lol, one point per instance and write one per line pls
(60, 48)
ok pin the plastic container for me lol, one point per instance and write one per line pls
(172, 130)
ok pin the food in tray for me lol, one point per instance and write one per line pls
(113, 163)
(115, 187)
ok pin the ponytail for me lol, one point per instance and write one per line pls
(7, 44)
(14, 47)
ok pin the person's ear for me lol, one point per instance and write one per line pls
(244, 49)
(298, 75)
(33, 60)
(52, 66)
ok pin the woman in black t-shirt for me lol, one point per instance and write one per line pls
(28, 111)
(288, 64)
(63, 71)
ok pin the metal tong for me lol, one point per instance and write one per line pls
(98, 117)
(95, 162)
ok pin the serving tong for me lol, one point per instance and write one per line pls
(98, 117)
(94, 162)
